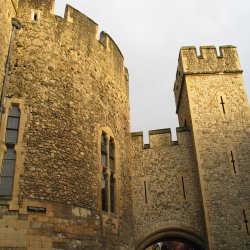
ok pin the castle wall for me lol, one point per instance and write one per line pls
(7, 11)
(71, 86)
(220, 130)
(162, 165)
(183, 108)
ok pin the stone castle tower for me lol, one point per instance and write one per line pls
(72, 174)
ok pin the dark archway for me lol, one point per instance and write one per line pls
(188, 237)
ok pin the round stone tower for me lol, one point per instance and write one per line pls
(72, 179)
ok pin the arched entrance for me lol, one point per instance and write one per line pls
(189, 237)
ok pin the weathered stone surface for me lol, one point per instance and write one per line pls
(71, 84)
(165, 206)
(70, 88)
(7, 11)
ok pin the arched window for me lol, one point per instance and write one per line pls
(108, 173)
(9, 158)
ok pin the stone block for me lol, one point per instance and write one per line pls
(46, 244)
(48, 226)
(89, 232)
(6, 243)
(19, 224)
(23, 217)
(10, 217)
(35, 225)
(71, 236)
(90, 220)
(59, 239)
(84, 224)
(60, 228)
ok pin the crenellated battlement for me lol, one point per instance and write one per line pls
(158, 138)
(74, 21)
(208, 62)
(75, 17)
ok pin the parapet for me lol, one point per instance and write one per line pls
(78, 27)
(209, 61)
(157, 138)
(73, 16)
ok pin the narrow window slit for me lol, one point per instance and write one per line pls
(233, 161)
(185, 123)
(245, 221)
(35, 17)
(222, 103)
(145, 189)
(184, 193)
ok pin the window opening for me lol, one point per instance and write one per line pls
(111, 155)
(222, 103)
(35, 17)
(104, 193)
(185, 123)
(104, 151)
(183, 187)
(233, 161)
(108, 179)
(112, 194)
(145, 189)
(12, 125)
(7, 173)
(245, 221)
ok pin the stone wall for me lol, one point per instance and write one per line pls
(218, 133)
(7, 11)
(162, 165)
(71, 85)
(183, 109)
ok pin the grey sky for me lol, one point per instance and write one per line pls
(150, 34)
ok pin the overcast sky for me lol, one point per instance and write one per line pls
(150, 34)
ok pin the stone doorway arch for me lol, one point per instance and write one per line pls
(180, 234)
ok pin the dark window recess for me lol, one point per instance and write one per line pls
(12, 125)
(104, 193)
(112, 193)
(104, 151)
(222, 103)
(233, 162)
(145, 189)
(111, 155)
(183, 187)
(35, 17)
(7, 173)
(246, 221)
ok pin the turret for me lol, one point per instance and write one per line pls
(211, 99)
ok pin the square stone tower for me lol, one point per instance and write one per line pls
(211, 99)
